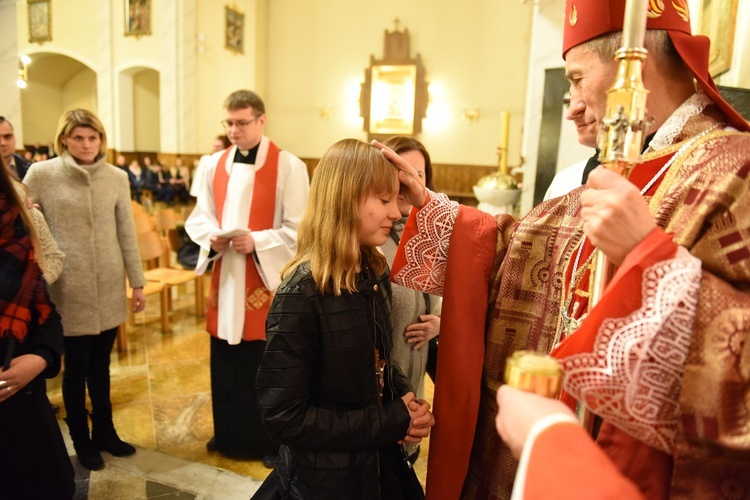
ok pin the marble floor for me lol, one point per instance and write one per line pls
(161, 397)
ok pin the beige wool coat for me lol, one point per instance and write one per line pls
(89, 214)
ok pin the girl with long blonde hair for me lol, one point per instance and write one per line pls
(326, 388)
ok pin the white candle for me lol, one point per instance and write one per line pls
(634, 25)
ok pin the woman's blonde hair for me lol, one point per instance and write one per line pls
(328, 234)
(79, 118)
(15, 193)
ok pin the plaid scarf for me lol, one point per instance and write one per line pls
(22, 290)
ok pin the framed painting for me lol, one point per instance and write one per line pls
(392, 98)
(234, 30)
(137, 17)
(717, 22)
(40, 30)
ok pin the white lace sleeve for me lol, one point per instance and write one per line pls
(427, 252)
(633, 378)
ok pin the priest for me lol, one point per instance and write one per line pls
(245, 222)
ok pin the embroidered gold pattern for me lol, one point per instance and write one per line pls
(213, 298)
(573, 18)
(655, 8)
(257, 298)
(682, 9)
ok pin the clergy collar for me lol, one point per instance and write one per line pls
(246, 156)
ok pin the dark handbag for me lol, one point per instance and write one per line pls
(269, 490)
(398, 481)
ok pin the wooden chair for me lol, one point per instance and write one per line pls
(166, 220)
(143, 222)
(150, 288)
(137, 207)
(152, 246)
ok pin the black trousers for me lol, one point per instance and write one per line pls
(237, 424)
(87, 364)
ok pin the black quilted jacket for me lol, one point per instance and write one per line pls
(317, 392)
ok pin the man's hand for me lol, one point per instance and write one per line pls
(218, 245)
(23, 370)
(423, 331)
(243, 244)
(519, 411)
(411, 187)
(139, 300)
(616, 217)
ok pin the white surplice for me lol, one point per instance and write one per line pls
(273, 247)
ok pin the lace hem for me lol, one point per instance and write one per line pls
(633, 378)
(427, 252)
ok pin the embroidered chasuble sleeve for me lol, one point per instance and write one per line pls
(274, 247)
(670, 334)
(450, 250)
(561, 461)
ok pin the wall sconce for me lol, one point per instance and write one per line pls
(23, 71)
(471, 114)
(200, 45)
(324, 112)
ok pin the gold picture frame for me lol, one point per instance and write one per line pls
(234, 30)
(40, 24)
(717, 22)
(137, 17)
(392, 99)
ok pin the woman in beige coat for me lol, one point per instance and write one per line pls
(86, 203)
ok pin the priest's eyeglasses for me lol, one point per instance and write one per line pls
(238, 123)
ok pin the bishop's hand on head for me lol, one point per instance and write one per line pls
(411, 187)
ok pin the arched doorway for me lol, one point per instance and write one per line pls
(139, 123)
(56, 83)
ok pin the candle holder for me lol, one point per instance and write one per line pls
(533, 372)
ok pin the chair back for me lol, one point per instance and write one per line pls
(166, 219)
(151, 246)
(143, 222)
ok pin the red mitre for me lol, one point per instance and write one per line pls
(588, 19)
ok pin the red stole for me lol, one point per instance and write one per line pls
(262, 210)
(462, 327)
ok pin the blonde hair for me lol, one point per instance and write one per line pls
(79, 118)
(328, 234)
(15, 193)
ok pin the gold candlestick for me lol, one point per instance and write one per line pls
(504, 135)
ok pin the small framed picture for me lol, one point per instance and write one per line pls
(40, 30)
(717, 22)
(234, 30)
(137, 17)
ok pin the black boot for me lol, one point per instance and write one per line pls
(105, 438)
(103, 433)
(74, 397)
